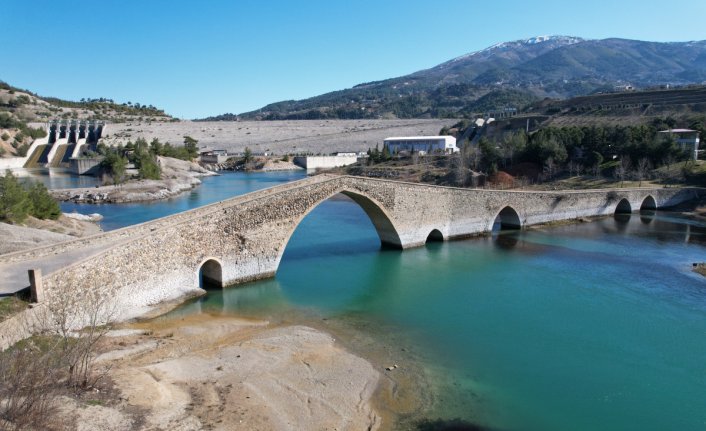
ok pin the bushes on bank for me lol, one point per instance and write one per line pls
(18, 200)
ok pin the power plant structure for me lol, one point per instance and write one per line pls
(65, 140)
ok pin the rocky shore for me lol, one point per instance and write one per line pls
(178, 176)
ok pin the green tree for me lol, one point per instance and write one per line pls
(490, 155)
(115, 165)
(43, 204)
(190, 147)
(156, 147)
(385, 155)
(593, 161)
(14, 203)
(247, 156)
(147, 166)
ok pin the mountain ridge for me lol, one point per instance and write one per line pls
(520, 71)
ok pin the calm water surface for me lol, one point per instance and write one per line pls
(590, 326)
(212, 189)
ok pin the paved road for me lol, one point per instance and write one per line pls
(13, 276)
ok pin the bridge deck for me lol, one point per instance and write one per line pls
(51, 258)
(60, 256)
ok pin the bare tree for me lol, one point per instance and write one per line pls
(473, 155)
(80, 318)
(29, 374)
(621, 170)
(641, 169)
(573, 168)
(549, 168)
(460, 169)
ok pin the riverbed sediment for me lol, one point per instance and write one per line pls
(223, 372)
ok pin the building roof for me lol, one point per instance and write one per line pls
(678, 131)
(413, 138)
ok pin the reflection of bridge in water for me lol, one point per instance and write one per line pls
(243, 238)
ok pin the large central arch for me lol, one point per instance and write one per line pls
(384, 226)
(389, 237)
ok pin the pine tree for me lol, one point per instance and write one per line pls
(14, 203)
(43, 204)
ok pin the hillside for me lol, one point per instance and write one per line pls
(507, 74)
(18, 108)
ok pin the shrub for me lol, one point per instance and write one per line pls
(22, 150)
(5, 137)
(43, 205)
(115, 165)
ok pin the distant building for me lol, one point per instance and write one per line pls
(686, 138)
(214, 156)
(501, 113)
(325, 162)
(429, 144)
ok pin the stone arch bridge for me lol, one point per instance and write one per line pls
(243, 238)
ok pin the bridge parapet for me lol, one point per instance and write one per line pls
(246, 236)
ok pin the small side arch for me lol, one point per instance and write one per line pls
(623, 207)
(506, 219)
(435, 236)
(648, 204)
(210, 274)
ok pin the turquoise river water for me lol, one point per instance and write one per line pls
(598, 325)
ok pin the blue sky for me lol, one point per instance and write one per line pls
(200, 58)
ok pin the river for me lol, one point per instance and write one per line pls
(598, 325)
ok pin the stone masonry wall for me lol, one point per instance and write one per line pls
(159, 261)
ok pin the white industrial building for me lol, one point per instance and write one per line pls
(428, 144)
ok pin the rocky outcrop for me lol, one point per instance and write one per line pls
(178, 176)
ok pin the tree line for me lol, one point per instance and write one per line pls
(577, 150)
(143, 156)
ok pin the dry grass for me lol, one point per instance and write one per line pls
(10, 306)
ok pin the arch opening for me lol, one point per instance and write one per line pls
(623, 207)
(648, 204)
(389, 238)
(507, 219)
(211, 275)
(331, 234)
(435, 236)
